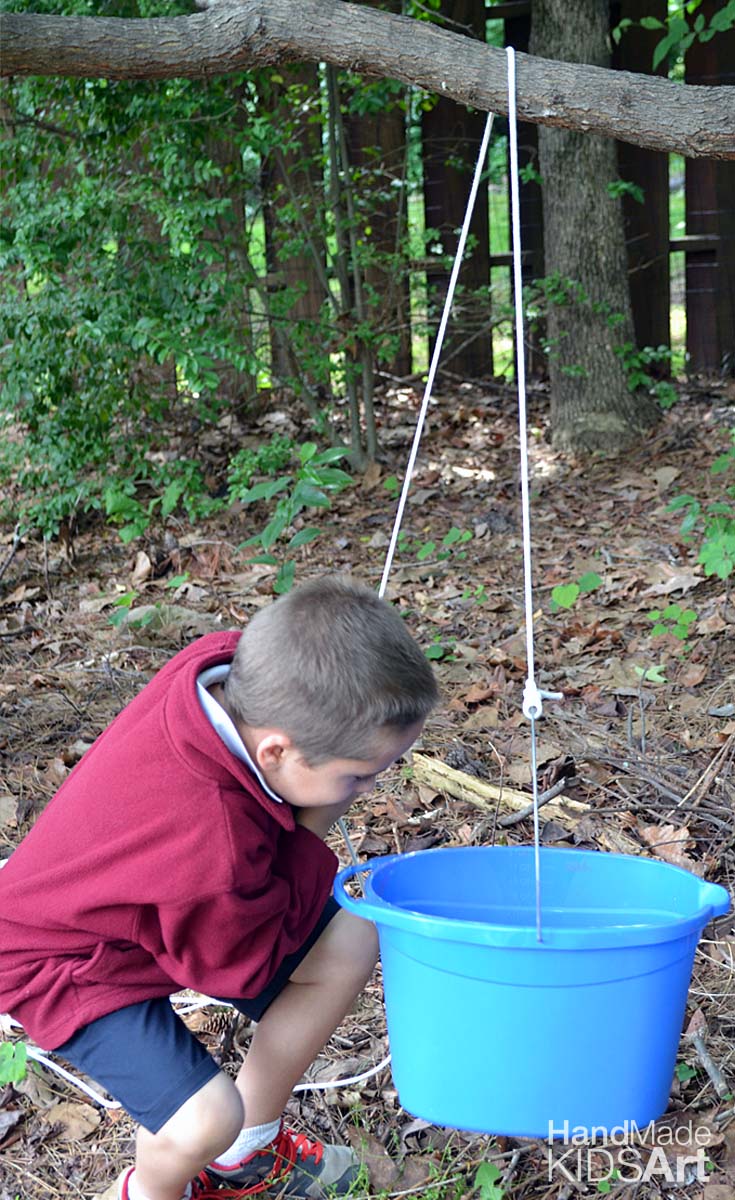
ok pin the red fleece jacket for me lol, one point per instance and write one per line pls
(159, 864)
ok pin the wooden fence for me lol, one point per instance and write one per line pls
(708, 244)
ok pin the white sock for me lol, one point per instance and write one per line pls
(255, 1137)
(134, 1192)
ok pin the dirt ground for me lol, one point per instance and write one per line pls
(639, 751)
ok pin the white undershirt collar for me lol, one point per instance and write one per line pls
(223, 724)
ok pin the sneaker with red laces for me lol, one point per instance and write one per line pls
(297, 1165)
(201, 1188)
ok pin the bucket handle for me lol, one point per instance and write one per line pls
(715, 898)
(366, 909)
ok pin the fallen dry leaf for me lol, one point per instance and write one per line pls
(9, 1117)
(692, 675)
(665, 476)
(667, 579)
(8, 808)
(670, 843)
(142, 569)
(383, 1171)
(74, 1121)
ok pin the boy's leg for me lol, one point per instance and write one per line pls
(189, 1111)
(202, 1128)
(305, 1014)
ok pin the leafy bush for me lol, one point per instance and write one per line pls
(714, 522)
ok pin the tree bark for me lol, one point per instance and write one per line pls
(292, 194)
(591, 405)
(658, 113)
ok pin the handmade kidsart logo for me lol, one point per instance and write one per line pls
(628, 1154)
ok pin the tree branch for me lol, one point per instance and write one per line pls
(236, 35)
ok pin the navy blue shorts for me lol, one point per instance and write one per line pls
(146, 1058)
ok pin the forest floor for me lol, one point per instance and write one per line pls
(643, 742)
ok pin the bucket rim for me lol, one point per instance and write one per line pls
(712, 900)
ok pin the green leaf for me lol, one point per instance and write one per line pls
(724, 19)
(487, 1180)
(13, 1059)
(683, 501)
(284, 578)
(332, 477)
(269, 560)
(565, 594)
(652, 674)
(684, 1072)
(307, 495)
(662, 49)
(274, 529)
(266, 490)
(435, 651)
(177, 580)
(171, 496)
(304, 536)
(672, 612)
(426, 551)
(651, 23)
(307, 452)
(332, 455)
(589, 581)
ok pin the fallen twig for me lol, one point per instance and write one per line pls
(489, 796)
(11, 552)
(695, 1035)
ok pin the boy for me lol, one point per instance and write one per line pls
(186, 850)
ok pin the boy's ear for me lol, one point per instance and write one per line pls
(271, 750)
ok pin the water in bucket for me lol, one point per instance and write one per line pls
(494, 1032)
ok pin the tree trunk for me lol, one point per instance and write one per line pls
(240, 387)
(292, 199)
(376, 137)
(658, 113)
(589, 313)
(377, 145)
(451, 135)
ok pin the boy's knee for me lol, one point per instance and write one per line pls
(358, 941)
(208, 1122)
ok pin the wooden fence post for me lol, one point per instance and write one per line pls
(517, 35)
(710, 223)
(647, 224)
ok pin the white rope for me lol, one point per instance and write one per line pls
(532, 696)
(390, 554)
(437, 353)
(334, 1083)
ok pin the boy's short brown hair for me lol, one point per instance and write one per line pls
(330, 664)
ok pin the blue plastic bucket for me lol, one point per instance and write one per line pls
(494, 1032)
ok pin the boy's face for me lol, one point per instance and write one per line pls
(338, 781)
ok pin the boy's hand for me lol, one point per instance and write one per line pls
(320, 819)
